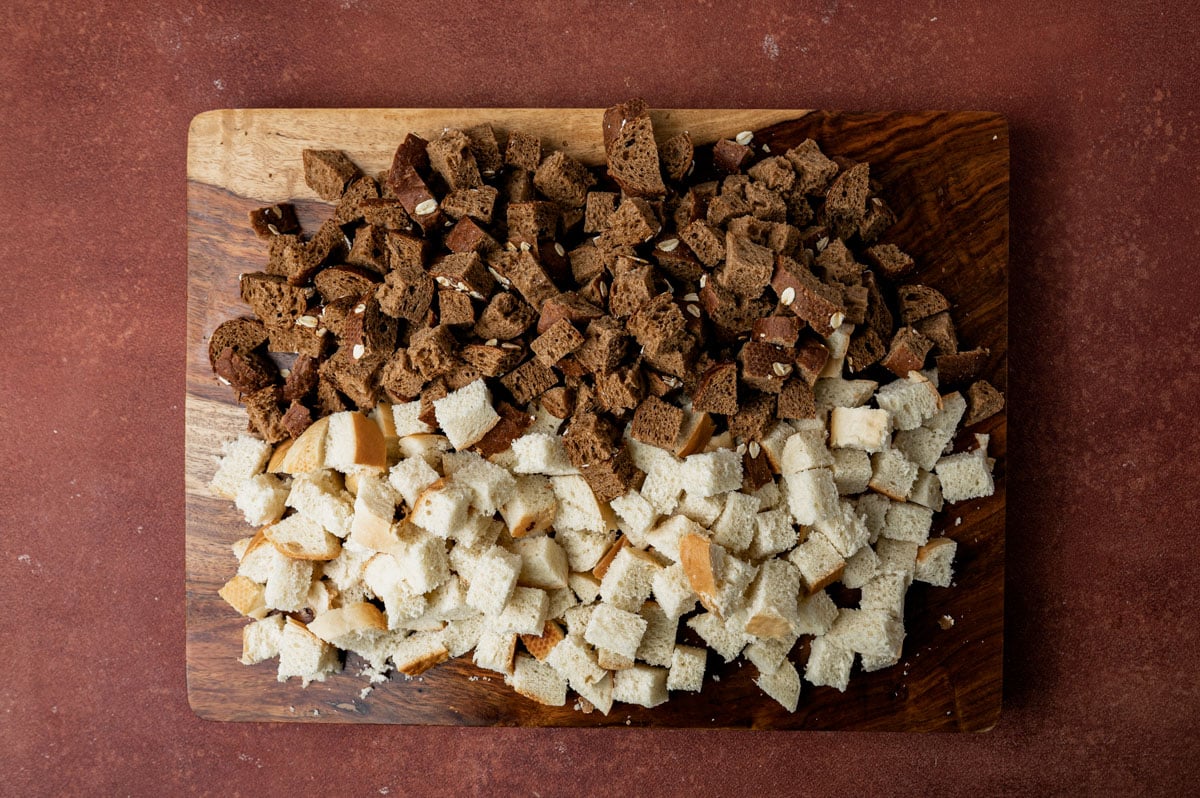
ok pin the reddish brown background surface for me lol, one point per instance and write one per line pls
(1101, 688)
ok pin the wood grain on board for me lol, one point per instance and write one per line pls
(946, 176)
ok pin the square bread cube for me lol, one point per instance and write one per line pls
(910, 401)
(892, 474)
(643, 685)
(710, 473)
(635, 516)
(616, 630)
(410, 477)
(812, 495)
(442, 508)
(829, 664)
(862, 428)
(964, 476)
(466, 415)
(805, 449)
(687, 668)
(783, 685)
(525, 612)
(673, 591)
(493, 580)
(935, 562)
(734, 528)
(262, 499)
(531, 509)
(495, 651)
(658, 642)
(774, 533)
(851, 470)
(908, 521)
(628, 581)
(407, 419)
(541, 453)
(538, 682)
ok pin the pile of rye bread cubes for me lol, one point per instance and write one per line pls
(664, 377)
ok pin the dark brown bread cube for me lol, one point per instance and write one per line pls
(661, 385)
(464, 271)
(529, 381)
(962, 367)
(461, 377)
(939, 328)
(531, 222)
(553, 257)
(297, 419)
(731, 157)
(512, 424)
(368, 332)
(572, 371)
(620, 389)
(516, 185)
(778, 330)
(266, 419)
(806, 296)
(451, 157)
(782, 238)
(765, 203)
(604, 345)
(614, 477)
(434, 351)
(854, 299)
(329, 399)
(468, 236)
(919, 302)
(477, 203)
(679, 265)
(245, 372)
(493, 360)
(599, 207)
(420, 203)
(406, 293)
(563, 179)
(587, 261)
(878, 219)
(631, 150)
(733, 316)
(411, 156)
(558, 402)
(632, 223)
(485, 148)
(658, 322)
(835, 263)
(765, 367)
(277, 248)
(455, 309)
(865, 350)
(688, 207)
(523, 151)
(572, 220)
(724, 207)
(907, 352)
(748, 266)
(755, 416)
(775, 173)
(570, 306)
(400, 379)
(273, 299)
(370, 249)
(406, 180)
(274, 220)
(349, 207)
(333, 315)
(800, 212)
(328, 172)
(429, 394)
(813, 169)
(676, 155)
(302, 261)
(717, 391)
(346, 280)
(504, 318)
(301, 379)
(796, 400)
(242, 335)
(809, 358)
(879, 316)
(705, 241)
(631, 288)
(307, 336)
(560, 340)
(591, 438)
(983, 401)
(756, 471)
(657, 423)
(891, 262)
(406, 250)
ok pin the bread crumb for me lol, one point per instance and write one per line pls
(316, 713)
(945, 622)
(366, 691)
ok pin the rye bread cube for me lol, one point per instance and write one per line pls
(598, 209)
(591, 438)
(676, 155)
(523, 151)
(274, 220)
(765, 204)
(631, 150)
(451, 157)
(657, 423)
(705, 241)
(434, 351)
(557, 342)
(891, 261)
(531, 222)
(730, 157)
(530, 279)
(748, 266)
(717, 391)
(765, 367)
(810, 299)
(529, 380)
(604, 345)
(632, 223)
(620, 390)
(563, 179)
(477, 203)
(632, 287)
(835, 263)
(467, 236)
(300, 261)
(907, 352)
(328, 172)
(274, 301)
(369, 249)
(777, 330)
(506, 317)
(406, 293)
(796, 400)
(464, 271)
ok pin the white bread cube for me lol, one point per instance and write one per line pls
(896, 556)
(303, 654)
(851, 470)
(406, 419)
(584, 549)
(872, 663)
(846, 530)
(783, 685)
(922, 445)
(687, 668)
(383, 578)
(862, 428)
(538, 681)
(532, 507)
(478, 531)
(767, 654)
(872, 508)
(885, 593)
(466, 415)
(246, 596)
(704, 510)
(491, 486)
(628, 581)
(462, 635)
(577, 619)
(829, 664)
(242, 458)
(642, 685)
(658, 642)
(774, 533)
(410, 477)
(771, 604)
(493, 580)
(616, 630)
(910, 401)
(811, 495)
(734, 528)
(964, 476)
(861, 568)
(288, 585)
(892, 474)
(240, 546)
(261, 639)
(612, 661)
(927, 491)
(346, 570)
(442, 508)
(301, 538)
(710, 473)
(935, 562)
(426, 446)
(422, 562)
(578, 509)
(663, 485)
(262, 499)
(319, 497)
(495, 651)
(374, 514)
(735, 578)
(665, 536)
(908, 521)
(561, 600)
(525, 612)
(258, 559)
(343, 626)
(543, 563)
(635, 516)
(817, 561)
(803, 450)
(585, 586)
(838, 343)
(874, 633)
(354, 442)
(724, 638)
(543, 420)
(770, 496)
(774, 442)
(673, 591)
(575, 661)
(947, 419)
(815, 614)
(541, 453)
(448, 601)
(645, 455)
(835, 392)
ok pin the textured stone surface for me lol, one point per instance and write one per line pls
(1101, 632)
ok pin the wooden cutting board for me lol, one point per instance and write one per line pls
(945, 174)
